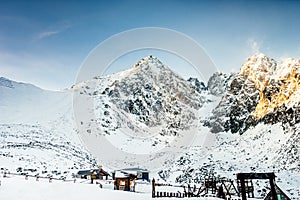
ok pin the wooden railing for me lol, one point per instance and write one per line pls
(187, 191)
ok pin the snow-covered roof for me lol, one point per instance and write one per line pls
(136, 169)
(127, 172)
(124, 174)
(120, 174)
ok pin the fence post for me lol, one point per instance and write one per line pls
(153, 188)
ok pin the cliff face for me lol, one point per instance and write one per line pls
(263, 91)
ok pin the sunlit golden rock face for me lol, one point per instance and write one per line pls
(277, 85)
(259, 69)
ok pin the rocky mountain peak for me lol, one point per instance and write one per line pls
(147, 60)
(263, 91)
(150, 63)
(277, 84)
(282, 89)
(258, 69)
(218, 83)
(147, 98)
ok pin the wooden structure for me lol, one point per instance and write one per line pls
(249, 188)
(93, 174)
(83, 174)
(141, 174)
(101, 174)
(157, 194)
(224, 188)
(188, 191)
(228, 187)
(124, 181)
(280, 194)
(210, 184)
(244, 178)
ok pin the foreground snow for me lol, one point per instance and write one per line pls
(16, 188)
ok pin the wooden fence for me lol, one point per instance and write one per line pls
(43, 177)
(188, 191)
(225, 189)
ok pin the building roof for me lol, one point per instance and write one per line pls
(124, 174)
(102, 172)
(88, 172)
(137, 169)
(84, 172)
(129, 172)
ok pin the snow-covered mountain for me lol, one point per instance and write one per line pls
(152, 104)
(263, 91)
(144, 101)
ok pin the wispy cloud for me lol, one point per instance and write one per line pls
(47, 34)
(55, 29)
(254, 45)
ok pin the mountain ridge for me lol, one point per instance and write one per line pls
(263, 90)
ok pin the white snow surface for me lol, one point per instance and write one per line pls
(16, 188)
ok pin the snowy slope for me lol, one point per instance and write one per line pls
(37, 129)
(261, 149)
(21, 102)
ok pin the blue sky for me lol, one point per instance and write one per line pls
(45, 42)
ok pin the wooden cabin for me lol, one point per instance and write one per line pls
(124, 181)
(83, 174)
(101, 174)
(125, 178)
(97, 174)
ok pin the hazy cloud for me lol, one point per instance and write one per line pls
(55, 29)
